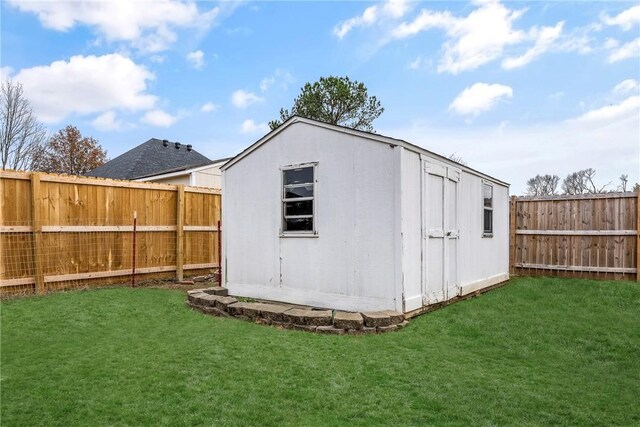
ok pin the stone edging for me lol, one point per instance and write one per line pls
(217, 302)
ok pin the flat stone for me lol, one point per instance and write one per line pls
(217, 290)
(193, 296)
(274, 312)
(368, 330)
(330, 330)
(200, 278)
(308, 328)
(354, 332)
(346, 320)
(195, 291)
(235, 309)
(396, 317)
(376, 318)
(387, 328)
(186, 282)
(300, 316)
(253, 309)
(223, 303)
(282, 325)
(206, 300)
(403, 324)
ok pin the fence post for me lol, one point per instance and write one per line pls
(133, 260)
(219, 253)
(512, 234)
(36, 226)
(179, 232)
(638, 238)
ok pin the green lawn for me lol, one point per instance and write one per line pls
(535, 352)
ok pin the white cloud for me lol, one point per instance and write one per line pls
(474, 40)
(5, 72)
(251, 127)
(515, 153)
(158, 59)
(282, 77)
(479, 98)
(626, 19)
(626, 51)
(242, 98)
(146, 26)
(391, 9)
(209, 107)
(196, 59)
(630, 107)
(625, 87)
(86, 85)
(107, 121)
(158, 118)
(544, 40)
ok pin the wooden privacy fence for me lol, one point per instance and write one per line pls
(60, 231)
(591, 236)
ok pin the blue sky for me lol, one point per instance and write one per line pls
(514, 88)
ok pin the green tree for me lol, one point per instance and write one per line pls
(335, 100)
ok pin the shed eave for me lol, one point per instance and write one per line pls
(362, 134)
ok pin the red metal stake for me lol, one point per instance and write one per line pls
(220, 252)
(133, 272)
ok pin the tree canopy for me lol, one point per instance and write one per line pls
(335, 100)
(67, 151)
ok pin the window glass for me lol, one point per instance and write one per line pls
(298, 208)
(297, 213)
(488, 221)
(298, 176)
(488, 196)
(295, 192)
(487, 191)
(298, 224)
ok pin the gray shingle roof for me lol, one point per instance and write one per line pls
(150, 158)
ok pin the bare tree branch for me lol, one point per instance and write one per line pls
(21, 135)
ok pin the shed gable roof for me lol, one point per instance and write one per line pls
(374, 137)
(149, 158)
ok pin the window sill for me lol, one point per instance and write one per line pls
(487, 235)
(287, 235)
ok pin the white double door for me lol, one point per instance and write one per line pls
(440, 232)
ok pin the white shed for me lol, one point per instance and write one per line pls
(328, 216)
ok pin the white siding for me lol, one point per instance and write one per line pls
(182, 179)
(370, 204)
(210, 177)
(411, 230)
(483, 261)
(350, 265)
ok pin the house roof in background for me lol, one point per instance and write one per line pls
(184, 170)
(150, 158)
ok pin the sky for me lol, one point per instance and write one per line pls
(513, 88)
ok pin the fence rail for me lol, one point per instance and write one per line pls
(590, 236)
(60, 231)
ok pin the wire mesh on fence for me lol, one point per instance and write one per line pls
(83, 254)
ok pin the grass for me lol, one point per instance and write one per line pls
(536, 352)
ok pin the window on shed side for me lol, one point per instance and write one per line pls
(297, 200)
(487, 190)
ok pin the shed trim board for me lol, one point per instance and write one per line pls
(367, 135)
(395, 226)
